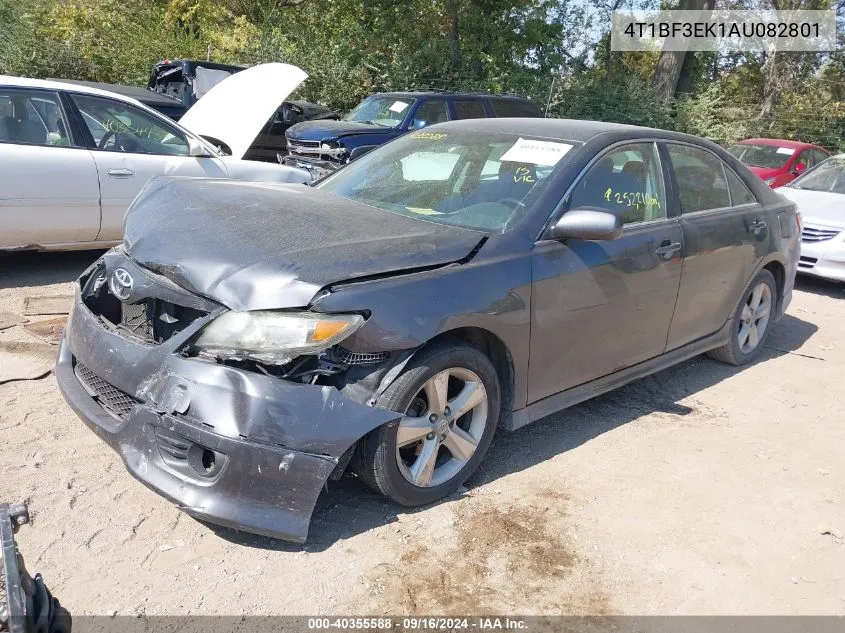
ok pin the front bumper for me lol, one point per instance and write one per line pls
(273, 444)
(824, 259)
(316, 166)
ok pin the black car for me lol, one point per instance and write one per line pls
(382, 117)
(167, 105)
(249, 342)
(186, 81)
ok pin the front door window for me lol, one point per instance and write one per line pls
(626, 181)
(120, 127)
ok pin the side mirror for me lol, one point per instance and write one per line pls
(799, 168)
(358, 152)
(195, 148)
(587, 223)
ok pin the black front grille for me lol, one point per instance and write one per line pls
(149, 320)
(135, 317)
(119, 403)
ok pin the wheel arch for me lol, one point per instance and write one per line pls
(778, 271)
(495, 349)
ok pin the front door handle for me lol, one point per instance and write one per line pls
(121, 173)
(668, 249)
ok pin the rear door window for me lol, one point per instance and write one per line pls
(740, 194)
(515, 108)
(32, 117)
(818, 156)
(702, 183)
(470, 109)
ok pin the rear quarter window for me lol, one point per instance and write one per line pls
(515, 107)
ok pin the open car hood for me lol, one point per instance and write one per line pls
(235, 110)
(260, 246)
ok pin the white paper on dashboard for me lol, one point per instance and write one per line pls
(536, 152)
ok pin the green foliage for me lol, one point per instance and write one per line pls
(350, 48)
(617, 97)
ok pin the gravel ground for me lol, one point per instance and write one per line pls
(700, 490)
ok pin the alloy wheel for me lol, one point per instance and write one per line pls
(442, 427)
(754, 318)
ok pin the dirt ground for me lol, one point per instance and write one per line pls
(700, 490)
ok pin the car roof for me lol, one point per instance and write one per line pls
(777, 142)
(193, 63)
(563, 129)
(49, 84)
(144, 95)
(416, 94)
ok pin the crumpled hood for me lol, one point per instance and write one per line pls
(235, 110)
(257, 246)
(329, 130)
(817, 207)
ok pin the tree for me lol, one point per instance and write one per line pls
(667, 73)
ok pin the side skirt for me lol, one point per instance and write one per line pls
(588, 390)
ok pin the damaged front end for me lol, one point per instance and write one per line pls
(230, 436)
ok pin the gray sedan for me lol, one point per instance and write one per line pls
(249, 342)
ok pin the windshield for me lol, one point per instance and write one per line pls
(386, 111)
(476, 180)
(768, 156)
(829, 175)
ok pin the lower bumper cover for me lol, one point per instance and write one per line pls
(276, 442)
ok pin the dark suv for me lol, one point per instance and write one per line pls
(382, 117)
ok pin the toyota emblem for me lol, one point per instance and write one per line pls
(120, 284)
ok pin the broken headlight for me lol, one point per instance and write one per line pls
(274, 337)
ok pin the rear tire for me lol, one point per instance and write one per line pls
(433, 450)
(752, 322)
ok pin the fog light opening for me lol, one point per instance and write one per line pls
(207, 459)
(204, 461)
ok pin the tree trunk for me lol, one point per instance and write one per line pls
(452, 7)
(667, 73)
(771, 89)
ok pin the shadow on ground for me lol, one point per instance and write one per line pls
(32, 268)
(819, 286)
(349, 508)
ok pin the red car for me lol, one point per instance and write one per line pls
(777, 161)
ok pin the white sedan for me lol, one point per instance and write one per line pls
(73, 158)
(820, 196)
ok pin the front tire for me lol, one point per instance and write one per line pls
(450, 398)
(752, 321)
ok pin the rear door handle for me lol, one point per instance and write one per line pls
(667, 249)
(121, 173)
(756, 226)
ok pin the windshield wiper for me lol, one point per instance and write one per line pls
(368, 122)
